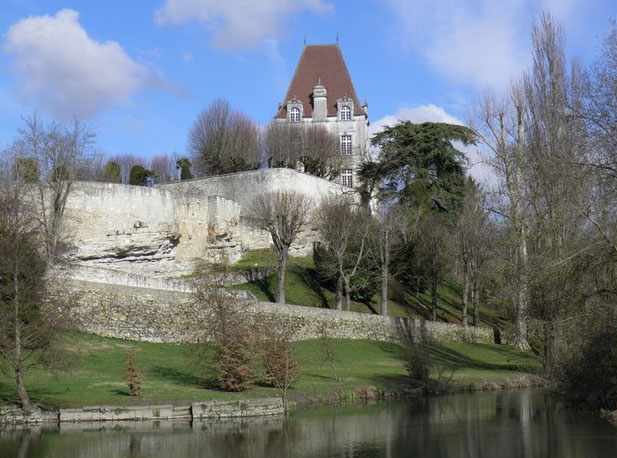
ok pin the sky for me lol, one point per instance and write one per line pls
(139, 72)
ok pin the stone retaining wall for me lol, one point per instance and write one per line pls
(165, 316)
(214, 409)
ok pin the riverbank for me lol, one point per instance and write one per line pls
(172, 374)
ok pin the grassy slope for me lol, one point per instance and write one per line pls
(171, 374)
(302, 288)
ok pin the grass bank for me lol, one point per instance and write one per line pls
(171, 372)
(302, 287)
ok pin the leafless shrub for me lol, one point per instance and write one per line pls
(328, 350)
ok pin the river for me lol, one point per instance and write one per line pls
(528, 423)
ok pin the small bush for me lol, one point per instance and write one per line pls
(134, 374)
(233, 365)
(418, 356)
(281, 365)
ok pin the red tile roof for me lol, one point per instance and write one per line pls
(323, 62)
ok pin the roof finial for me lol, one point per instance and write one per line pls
(305, 40)
(337, 37)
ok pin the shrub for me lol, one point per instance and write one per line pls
(281, 365)
(134, 374)
(233, 360)
(587, 375)
(418, 356)
(228, 330)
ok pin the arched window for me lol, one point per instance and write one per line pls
(345, 113)
(294, 115)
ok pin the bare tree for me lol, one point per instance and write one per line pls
(223, 140)
(387, 228)
(62, 151)
(601, 114)
(344, 230)
(433, 251)
(470, 239)
(282, 143)
(311, 148)
(501, 127)
(282, 214)
(126, 161)
(163, 167)
(28, 318)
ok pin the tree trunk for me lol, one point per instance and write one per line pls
(465, 298)
(339, 294)
(434, 297)
(17, 357)
(384, 289)
(281, 275)
(346, 289)
(549, 347)
(418, 280)
(522, 264)
(522, 299)
(475, 300)
(26, 405)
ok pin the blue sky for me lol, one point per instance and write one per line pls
(139, 72)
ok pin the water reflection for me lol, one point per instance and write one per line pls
(504, 424)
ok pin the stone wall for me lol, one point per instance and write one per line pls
(165, 316)
(160, 231)
(198, 410)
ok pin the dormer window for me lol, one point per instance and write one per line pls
(345, 113)
(294, 115)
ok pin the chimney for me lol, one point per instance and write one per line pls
(320, 102)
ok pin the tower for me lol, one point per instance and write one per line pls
(321, 91)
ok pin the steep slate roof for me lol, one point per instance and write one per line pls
(323, 62)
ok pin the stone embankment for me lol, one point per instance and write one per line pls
(171, 316)
(200, 410)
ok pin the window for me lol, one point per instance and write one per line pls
(347, 178)
(345, 113)
(346, 144)
(294, 115)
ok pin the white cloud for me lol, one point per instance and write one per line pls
(64, 71)
(421, 113)
(238, 24)
(477, 167)
(480, 43)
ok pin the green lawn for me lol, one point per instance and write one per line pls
(172, 373)
(303, 288)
